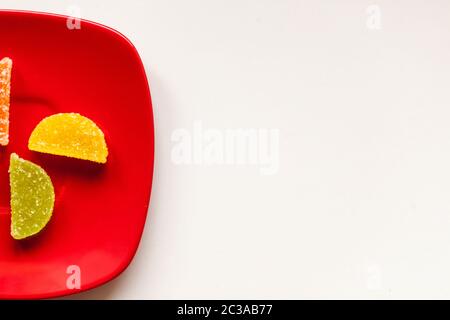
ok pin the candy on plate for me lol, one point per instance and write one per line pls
(5, 89)
(70, 135)
(32, 197)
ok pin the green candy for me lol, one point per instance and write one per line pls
(32, 197)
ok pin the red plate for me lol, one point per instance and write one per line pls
(100, 210)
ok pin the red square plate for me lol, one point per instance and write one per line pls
(100, 210)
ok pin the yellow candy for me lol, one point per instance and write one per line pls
(32, 197)
(70, 135)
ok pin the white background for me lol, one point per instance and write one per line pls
(360, 205)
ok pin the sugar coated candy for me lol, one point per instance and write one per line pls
(32, 197)
(70, 135)
(5, 88)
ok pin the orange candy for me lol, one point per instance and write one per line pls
(5, 87)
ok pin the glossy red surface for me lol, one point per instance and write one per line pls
(100, 210)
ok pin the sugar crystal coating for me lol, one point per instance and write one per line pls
(32, 197)
(70, 135)
(5, 88)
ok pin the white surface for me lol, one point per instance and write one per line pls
(360, 205)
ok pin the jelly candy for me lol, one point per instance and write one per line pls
(70, 135)
(5, 87)
(32, 197)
